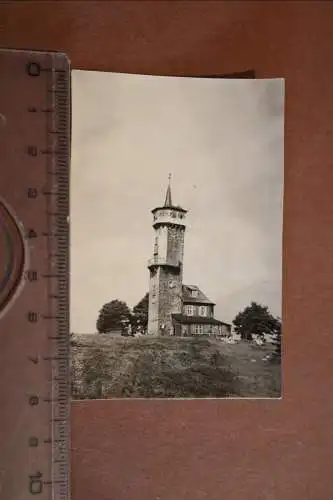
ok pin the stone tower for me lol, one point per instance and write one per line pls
(166, 266)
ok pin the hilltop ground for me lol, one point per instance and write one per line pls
(171, 367)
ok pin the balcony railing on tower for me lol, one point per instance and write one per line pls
(162, 261)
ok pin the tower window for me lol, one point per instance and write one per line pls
(173, 214)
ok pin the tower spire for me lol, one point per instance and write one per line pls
(168, 200)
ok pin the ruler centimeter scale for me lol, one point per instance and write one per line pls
(35, 108)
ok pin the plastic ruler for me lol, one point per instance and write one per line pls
(34, 282)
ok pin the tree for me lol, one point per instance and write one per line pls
(256, 320)
(113, 315)
(276, 357)
(140, 315)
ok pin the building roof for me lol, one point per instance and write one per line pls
(199, 299)
(168, 201)
(171, 207)
(198, 320)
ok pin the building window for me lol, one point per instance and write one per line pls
(173, 214)
(189, 310)
(194, 293)
(202, 311)
(198, 329)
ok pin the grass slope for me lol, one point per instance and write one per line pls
(171, 367)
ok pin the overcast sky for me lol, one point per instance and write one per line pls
(222, 140)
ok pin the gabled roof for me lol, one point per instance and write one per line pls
(199, 299)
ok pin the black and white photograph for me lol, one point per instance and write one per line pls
(176, 224)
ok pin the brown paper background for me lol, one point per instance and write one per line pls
(237, 450)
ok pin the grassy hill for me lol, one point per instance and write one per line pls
(171, 367)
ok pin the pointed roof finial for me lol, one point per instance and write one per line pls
(168, 201)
